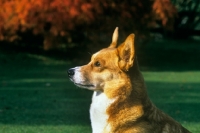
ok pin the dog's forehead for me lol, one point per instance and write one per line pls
(105, 53)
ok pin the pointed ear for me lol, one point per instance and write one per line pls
(114, 38)
(127, 53)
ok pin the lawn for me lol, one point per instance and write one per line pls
(36, 95)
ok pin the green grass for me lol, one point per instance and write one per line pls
(36, 95)
(177, 94)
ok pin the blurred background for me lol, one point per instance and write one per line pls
(41, 39)
(75, 27)
(62, 25)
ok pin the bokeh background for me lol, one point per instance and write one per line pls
(41, 39)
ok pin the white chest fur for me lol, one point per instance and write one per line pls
(98, 115)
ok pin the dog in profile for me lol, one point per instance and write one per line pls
(120, 103)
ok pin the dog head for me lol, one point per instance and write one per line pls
(107, 67)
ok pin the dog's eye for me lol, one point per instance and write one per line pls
(97, 64)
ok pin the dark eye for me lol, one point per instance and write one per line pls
(97, 64)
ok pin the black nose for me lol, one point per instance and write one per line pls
(71, 72)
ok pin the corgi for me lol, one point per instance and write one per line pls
(120, 103)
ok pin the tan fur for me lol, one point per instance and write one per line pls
(114, 38)
(115, 72)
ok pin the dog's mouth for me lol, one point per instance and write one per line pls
(85, 85)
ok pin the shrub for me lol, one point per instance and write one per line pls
(58, 19)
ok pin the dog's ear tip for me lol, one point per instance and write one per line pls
(114, 38)
(132, 35)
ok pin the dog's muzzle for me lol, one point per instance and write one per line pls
(71, 72)
(80, 81)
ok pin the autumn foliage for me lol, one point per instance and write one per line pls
(21, 15)
(166, 12)
(58, 18)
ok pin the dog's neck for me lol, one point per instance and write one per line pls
(105, 109)
(138, 90)
(132, 101)
(98, 115)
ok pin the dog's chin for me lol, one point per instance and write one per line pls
(86, 86)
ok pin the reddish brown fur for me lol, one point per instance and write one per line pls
(133, 111)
